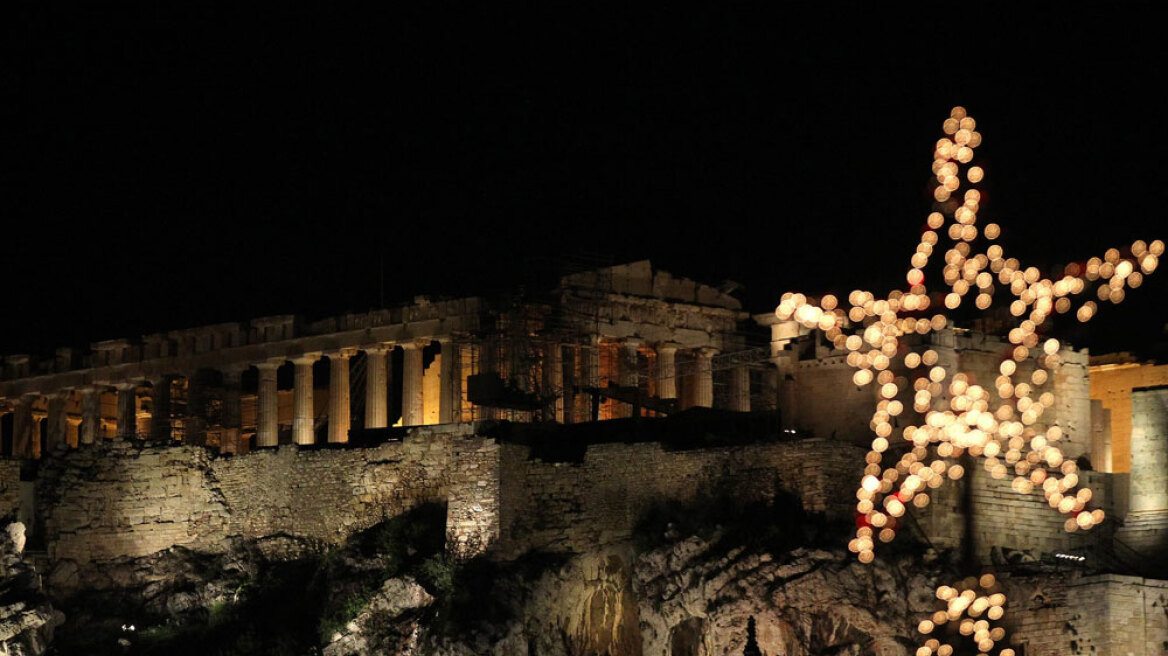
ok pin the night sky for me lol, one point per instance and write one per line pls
(176, 164)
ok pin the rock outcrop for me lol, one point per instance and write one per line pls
(27, 619)
(388, 624)
(697, 597)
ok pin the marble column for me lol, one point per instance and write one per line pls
(705, 378)
(127, 410)
(740, 389)
(568, 384)
(22, 425)
(553, 378)
(267, 406)
(450, 400)
(590, 374)
(303, 416)
(232, 419)
(37, 434)
(72, 430)
(628, 375)
(376, 387)
(412, 408)
(338, 426)
(667, 371)
(57, 426)
(160, 408)
(90, 415)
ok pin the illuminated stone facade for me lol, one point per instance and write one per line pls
(1113, 378)
(603, 345)
(138, 433)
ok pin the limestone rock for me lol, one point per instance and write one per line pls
(387, 625)
(27, 619)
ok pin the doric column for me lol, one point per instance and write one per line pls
(37, 435)
(553, 379)
(740, 389)
(90, 415)
(412, 408)
(627, 374)
(450, 399)
(72, 430)
(705, 378)
(568, 382)
(160, 408)
(590, 374)
(303, 418)
(22, 425)
(667, 371)
(376, 387)
(127, 410)
(56, 425)
(232, 419)
(338, 430)
(267, 406)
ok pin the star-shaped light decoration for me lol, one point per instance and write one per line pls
(969, 614)
(1000, 423)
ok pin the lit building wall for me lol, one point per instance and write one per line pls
(1112, 385)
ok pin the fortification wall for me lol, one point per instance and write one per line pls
(827, 403)
(9, 487)
(999, 517)
(1106, 615)
(116, 500)
(575, 506)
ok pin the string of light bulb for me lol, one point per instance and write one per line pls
(1001, 424)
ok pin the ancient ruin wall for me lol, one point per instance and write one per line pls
(1112, 385)
(9, 488)
(577, 506)
(1149, 450)
(116, 500)
(1105, 615)
(995, 516)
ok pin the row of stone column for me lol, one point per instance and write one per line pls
(376, 391)
(27, 420)
(666, 374)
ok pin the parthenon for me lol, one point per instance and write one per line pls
(604, 344)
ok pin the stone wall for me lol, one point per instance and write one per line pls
(1112, 384)
(1106, 615)
(116, 500)
(575, 506)
(1146, 528)
(994, 516)
(1149, 450)
(825, 402)
(9, 488)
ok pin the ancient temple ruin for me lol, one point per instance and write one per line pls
(545, 421)
(604, 344)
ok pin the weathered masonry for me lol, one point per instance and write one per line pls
(618, 342)
(605, 344)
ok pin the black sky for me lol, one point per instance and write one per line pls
(167, 165)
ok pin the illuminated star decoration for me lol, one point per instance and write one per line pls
(1000, 423)
(973, 613)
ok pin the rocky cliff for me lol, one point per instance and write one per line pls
(27, 619)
